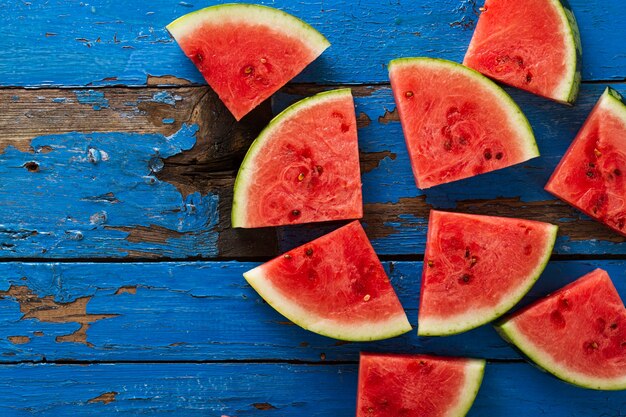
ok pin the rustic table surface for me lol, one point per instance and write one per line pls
(120, 278)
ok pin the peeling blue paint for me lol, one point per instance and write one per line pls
(168, 121)
(92, 97)
(59, 100)
(85, 175)
(166, 97)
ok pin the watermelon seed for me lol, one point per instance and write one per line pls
(483, 9)
(319, 169)
(487, 154)
(295, 213)
(465, 279)
(590, 174)
(467, 252)
(613, 326)
(367, 297)
(287, 256)
(248, 70)
(473, 261)
(309, 252)
(447, 145)
(263, 61)
(422, 363)
(597, 152)
(301, 177)
(199, 57)
(620, 223)
(409, 94)
(499, 155)
(431, 264)
(323, 356)
(529, 77)
(617, 172)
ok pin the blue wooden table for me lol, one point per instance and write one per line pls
(120, 278)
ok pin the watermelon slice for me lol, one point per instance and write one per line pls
(246, 52)
(417, 385)
(334, 286)
(456, 122)
(304, 167)
(529, 44)
(578, 333)
(476, 268)
(591, 175)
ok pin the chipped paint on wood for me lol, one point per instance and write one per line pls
(49, 311)
(105, 398)
(48, 39)
(198, 311)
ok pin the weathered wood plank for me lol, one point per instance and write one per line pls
(63, 200)
(204, 311)
(508, 389)
(71, 43)
(83, 174)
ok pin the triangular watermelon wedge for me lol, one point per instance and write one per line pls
(529, 44)
(417, 385)
(246, 52)
(476, 268)
(334, 286)
(592, 174)
(456, 122)
(303, 167)
(577, 333)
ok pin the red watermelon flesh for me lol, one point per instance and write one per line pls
(417, 385)
(334, 286)
(529, 44)
(456, 122)
(592, 174)
(304, 167)
(577, 333)
(478, 267)
(246, 52)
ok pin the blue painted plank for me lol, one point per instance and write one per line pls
(72, 43)
(81, 194)
(277, 390)
(205, 311)
(99, 194)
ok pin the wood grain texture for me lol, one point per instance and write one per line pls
(155, 179)
(281, 390)
(129, 45)
(205, 311)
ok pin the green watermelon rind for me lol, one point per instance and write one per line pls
(571, 84)
(508, 331)
(474, 373)
(365, 332)
(516, 116)
(247, 168)
(613, 101)
(276, 19)
(461, 324)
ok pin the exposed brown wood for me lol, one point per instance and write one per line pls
(105, 398)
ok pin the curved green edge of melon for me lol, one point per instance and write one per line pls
(270, 16)
(614, 102)
(248, 168)
(460, 324)
(474, 373)
(571, 86)
(509, 333)
(529, 144)
(366, 332)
